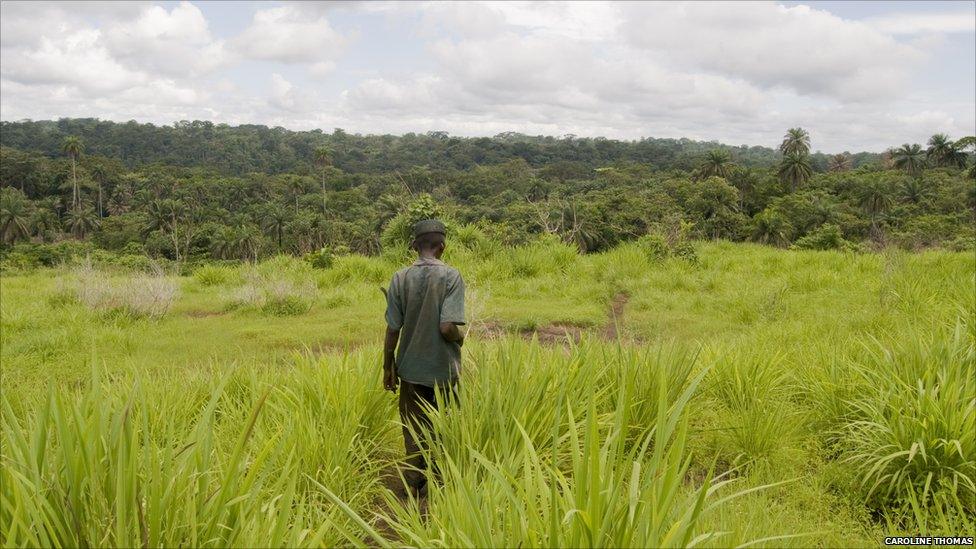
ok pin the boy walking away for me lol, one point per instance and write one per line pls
(424, 307)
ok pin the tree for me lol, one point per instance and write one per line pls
(81, 220)
(840, 163)
(323, 159)
(795, 170)
(73, 147)
(913, 190)
(910, 158)
(274, 217)
(874, 197)
(796, 141)
(99, 173)
(15, 215)
(770, 227)
(716, 163)
(943, 152)
(44, 221)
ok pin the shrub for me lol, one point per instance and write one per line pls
(147, 295)
(912, 429)
(546, 255)
(280, 286)
(398, 232)
(213, 275)
(355, 268)
(654, 246)
(658, 246)
(825, 237)
(321, 259)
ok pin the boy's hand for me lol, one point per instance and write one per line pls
(390, 379)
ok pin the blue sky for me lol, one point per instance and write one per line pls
(857, 75)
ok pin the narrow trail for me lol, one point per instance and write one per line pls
(616, 316)
(558, 333)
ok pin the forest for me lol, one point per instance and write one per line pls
(198, 191)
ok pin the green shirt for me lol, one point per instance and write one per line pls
(420, 298)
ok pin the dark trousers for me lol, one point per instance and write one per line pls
(413, 401)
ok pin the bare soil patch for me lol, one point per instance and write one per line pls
(616, 315)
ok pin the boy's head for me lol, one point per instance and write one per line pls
(429, 237)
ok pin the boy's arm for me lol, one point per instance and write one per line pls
(450, 332)
(452, 311)
(389, 365)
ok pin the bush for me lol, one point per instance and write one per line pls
(912, 429)
(825, 237)
(546, 255)
(356, 268)
(398, 232)
(213, 275)
(321, 259)
(280, 286)
(654, 246)
(148, 295)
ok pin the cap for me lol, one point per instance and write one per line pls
(428, 226)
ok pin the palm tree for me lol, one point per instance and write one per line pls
(99, 173)
(15, 211)
(81, 220)
(796, 141)
(274, 217)
(943, 152)
(795, 169)
(772, 228)
(323, 159)
(840, 162)
(875, 199)
(913, 190)
(44, 222)
(73, 147)
(296, 186)
(910, 158)
(716, 163)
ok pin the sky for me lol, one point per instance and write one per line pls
(856, 75)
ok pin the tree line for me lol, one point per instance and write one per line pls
(342, 192)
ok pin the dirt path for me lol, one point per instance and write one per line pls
(560, 332)
(616, 315)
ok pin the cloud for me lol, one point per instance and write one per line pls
(919, 23)
(285, 34)
(807, 50)
(175, 42)
(76, 58)
(738, 73)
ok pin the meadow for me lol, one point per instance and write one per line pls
(740, 396)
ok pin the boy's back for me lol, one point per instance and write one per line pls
(420, 298)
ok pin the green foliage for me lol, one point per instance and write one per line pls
(321, 259)
(654, 246)
(912, 431)
(398, 233)
(825, 237)
(280, 286)
(249, 200)
(214, 275)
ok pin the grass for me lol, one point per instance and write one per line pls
(757, 396)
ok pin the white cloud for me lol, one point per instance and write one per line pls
(810, 51)
(919, 23)
(286, 34)
(75, 58)
(175, 42)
